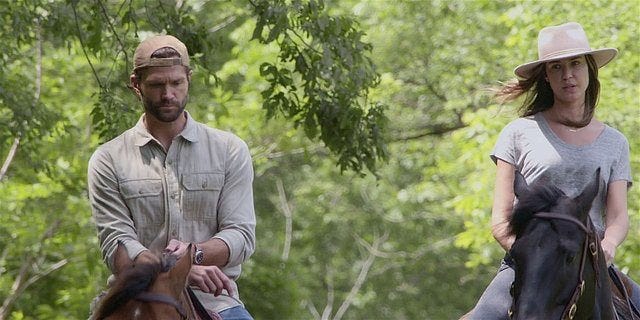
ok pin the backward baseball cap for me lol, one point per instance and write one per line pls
(142, 56)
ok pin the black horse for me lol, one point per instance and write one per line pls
(560, 270)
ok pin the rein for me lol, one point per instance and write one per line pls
(590, 244)
(162, 298)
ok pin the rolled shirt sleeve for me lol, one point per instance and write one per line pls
(236, 216)
(111, 215)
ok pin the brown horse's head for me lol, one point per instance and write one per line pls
(149, 290)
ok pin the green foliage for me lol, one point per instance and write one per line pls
(413, 242)
(322, 79)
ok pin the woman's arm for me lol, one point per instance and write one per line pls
(503, 196)
(616, 219)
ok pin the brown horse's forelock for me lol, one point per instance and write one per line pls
(131, 282)
(540, 198)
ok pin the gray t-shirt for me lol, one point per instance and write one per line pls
(538, 153)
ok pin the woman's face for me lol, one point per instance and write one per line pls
(569, 79)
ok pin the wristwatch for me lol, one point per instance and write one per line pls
(198, 256)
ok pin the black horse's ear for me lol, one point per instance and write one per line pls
(585, 198)
(520, 186)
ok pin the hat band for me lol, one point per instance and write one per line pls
(161, 62)
(564, 53)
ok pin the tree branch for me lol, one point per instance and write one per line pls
(326, 313)
(286, 210)
(93, 69)
(38, 88)
(229, 20)
(22, 280)
(432, 130)
(113, 29)
(312, 309)
(366, 266)
(9, 159)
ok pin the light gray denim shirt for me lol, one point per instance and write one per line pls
(199, 189)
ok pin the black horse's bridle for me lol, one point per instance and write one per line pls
(590, 245)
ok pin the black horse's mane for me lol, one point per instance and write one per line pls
(131, 282)
(539, 198)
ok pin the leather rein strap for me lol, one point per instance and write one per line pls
(162, 298)
(202, 312)
(591, 244)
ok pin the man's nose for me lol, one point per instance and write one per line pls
(167, 92)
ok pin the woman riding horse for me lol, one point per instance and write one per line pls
(558, 139)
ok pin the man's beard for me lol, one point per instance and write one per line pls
(157, 112)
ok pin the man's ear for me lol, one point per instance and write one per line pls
(135, 84)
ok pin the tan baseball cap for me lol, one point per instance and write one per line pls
(142, 56)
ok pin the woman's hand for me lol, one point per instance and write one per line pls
(609, 250)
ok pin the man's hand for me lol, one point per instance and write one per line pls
(211, 279)
(176, 247)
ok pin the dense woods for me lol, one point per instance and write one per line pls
(369, 123)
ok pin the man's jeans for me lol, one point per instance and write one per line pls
(235, 313)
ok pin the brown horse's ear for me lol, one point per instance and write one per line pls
(178, 274)
(585, 198)
(121, 260)
(520, 186)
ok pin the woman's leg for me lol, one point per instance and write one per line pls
(635, 295)
(495, 301)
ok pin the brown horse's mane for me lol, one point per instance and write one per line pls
(131, 282)
(541, 198)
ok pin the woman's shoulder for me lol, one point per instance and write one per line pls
(522, 123)
(611, 134)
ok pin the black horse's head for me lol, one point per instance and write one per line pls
(548, 250)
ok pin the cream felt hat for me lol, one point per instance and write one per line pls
(564, 41)
(142, 56)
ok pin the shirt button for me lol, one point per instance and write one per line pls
(173, 196)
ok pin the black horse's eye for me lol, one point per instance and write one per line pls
(570, 258)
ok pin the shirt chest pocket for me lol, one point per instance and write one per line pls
(200, 195)
(144, 198)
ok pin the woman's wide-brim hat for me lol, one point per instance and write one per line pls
(564, 41)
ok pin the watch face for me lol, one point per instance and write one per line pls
(199, 256)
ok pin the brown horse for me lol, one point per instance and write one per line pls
(154, 290)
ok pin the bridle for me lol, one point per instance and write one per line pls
(590, 245)
(166, 299)
(162, 298)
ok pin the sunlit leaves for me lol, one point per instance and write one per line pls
(322, 79)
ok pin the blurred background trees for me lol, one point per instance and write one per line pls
(369, 122)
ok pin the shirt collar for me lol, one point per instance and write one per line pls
(142, 135)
